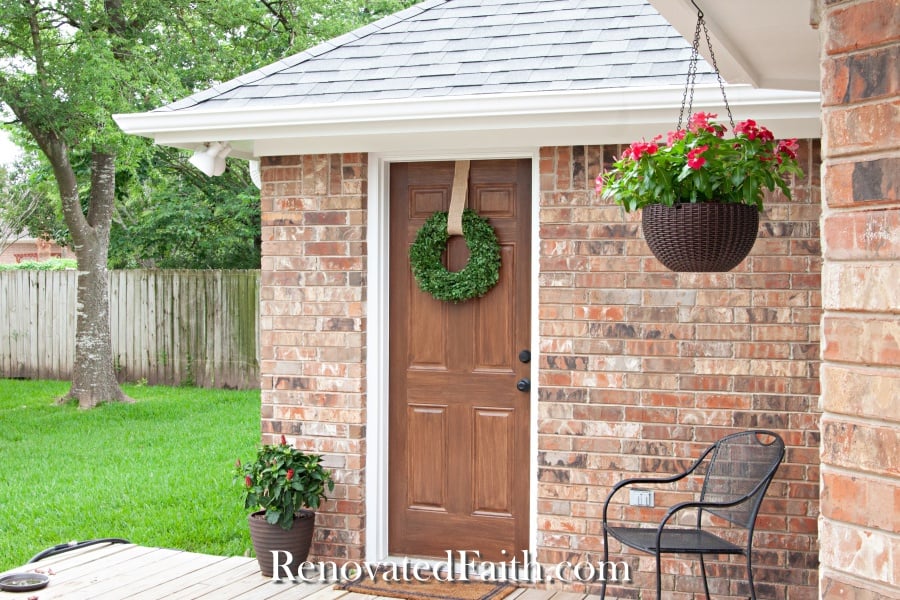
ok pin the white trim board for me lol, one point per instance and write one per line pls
(455, 124)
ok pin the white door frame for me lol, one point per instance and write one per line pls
(378, 328)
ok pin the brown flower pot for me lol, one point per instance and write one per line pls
(267, 538)
(707, 236)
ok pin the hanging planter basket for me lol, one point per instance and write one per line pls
(699, 191)
(708, 236)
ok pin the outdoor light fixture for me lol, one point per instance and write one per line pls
(255, 176)
(211, 161)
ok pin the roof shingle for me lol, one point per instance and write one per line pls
(470, 47)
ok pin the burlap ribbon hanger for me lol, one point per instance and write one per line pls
(458, 197)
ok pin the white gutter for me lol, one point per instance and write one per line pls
(539, 119)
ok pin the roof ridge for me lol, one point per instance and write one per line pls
(304, 55)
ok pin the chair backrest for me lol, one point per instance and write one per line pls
(740, 463)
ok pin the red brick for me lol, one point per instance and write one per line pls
(860, 391)
(873, 341)
(865, 128)
(861, 76)
(835, 589)
(871, 449)
(860, 500)
(862, 235)
(861, 25)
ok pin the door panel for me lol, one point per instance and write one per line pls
(494, 439)
(459, 428)
(426, 431)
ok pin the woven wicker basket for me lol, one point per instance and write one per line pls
(708, 236)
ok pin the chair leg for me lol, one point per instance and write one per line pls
(750, 575)
(703, 570)
(658, 578)
(605, 562)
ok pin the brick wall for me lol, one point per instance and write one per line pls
(640, 366)
(32, 249)
(859, 529)
(312, 327)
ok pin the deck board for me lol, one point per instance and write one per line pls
(131, 572)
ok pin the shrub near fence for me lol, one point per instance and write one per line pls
(168, 327)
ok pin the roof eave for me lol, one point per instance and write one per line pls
(536, 119)
(765, 43)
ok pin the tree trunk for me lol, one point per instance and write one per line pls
(93, 376)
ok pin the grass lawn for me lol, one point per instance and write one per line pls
(157, 472)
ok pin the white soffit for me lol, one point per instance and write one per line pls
(482, 121)
(764, 43)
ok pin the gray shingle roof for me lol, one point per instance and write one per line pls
(469, 47)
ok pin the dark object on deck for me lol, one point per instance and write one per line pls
(60, 548)
(741, 466)
(23, 582)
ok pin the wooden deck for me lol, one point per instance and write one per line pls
(130, 572)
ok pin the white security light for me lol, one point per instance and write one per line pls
(255, 176)
(211, 161)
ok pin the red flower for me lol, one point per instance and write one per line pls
(248, 481)
(674, 136)
(700, 122)
(290, 474)
(639, 149)
(283, 440)
(750, 129)
(788, 147)
(695, 159)
(598, 183)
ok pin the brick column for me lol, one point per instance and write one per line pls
(859, 528)
(313, 328)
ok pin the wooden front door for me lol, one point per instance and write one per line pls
(459, 427)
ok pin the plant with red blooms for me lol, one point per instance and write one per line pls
(700, 164)
(282, 480)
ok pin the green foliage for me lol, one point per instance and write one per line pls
(701, 165)
(482, 271)
(182, 219)
(52, 264)
(156, 472)
(283, 480)
(101, 61)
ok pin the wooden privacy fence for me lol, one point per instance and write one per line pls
(168, 327)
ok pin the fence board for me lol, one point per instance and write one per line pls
(168, 327)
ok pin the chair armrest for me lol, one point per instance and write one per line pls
(707, 504)
(676, 508)
(653, 480)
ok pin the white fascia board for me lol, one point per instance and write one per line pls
(764, 43)
(543, 119)
(682, 15)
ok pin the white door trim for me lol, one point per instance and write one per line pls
(378, 328)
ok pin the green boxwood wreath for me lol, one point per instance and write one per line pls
(481, 272)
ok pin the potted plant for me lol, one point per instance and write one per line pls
(701, 192)
(283, 487)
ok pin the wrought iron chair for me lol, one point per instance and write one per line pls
(739, 471)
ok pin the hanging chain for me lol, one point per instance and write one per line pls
(692, 71)
(691, 74)
(712, 56)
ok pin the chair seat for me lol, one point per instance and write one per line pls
(687, 541)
